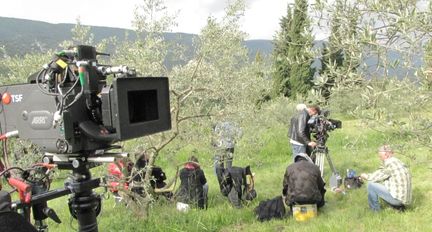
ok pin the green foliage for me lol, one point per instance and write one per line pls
(280, 56)
(338, 57)
(399, 108)
(148, 52)
(18, 69)
(81, 34)
(292, 57)
(299, 55)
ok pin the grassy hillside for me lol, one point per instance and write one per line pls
(350, 147)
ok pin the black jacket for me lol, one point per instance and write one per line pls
(299, 129)
(191, 187)
(303, 184)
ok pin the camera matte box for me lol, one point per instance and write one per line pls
(139, 106)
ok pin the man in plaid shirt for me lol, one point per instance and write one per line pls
(391, 182)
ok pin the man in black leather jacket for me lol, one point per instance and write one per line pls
(299, 131)
(303, 183)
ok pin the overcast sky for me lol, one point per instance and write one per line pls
(261, 20)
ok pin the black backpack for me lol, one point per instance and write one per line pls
(239, 180)
(271, 208)
(353, 182)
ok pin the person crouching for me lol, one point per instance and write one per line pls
(302, 185)
(193, 187)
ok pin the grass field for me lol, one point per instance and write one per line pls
(350, 147)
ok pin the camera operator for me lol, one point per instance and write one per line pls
(300, 131)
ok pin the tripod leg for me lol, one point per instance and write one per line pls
(319, 161)
(330, 163)
(335, 178)
(322, 165)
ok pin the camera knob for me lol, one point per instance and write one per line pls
(75, 163)
(62, 146)
(24, 115)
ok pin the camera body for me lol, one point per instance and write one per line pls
(320, 125)
(68, 107)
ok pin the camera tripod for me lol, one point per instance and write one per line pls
(318, 154)
(84, 204)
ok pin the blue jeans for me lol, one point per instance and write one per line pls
(376, 191)
(297, 149)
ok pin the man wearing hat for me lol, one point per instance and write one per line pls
(391, 182)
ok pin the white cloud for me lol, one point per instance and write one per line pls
(262, 18)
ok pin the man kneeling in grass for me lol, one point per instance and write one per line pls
(391, 182)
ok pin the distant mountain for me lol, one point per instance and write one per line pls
(21, 36)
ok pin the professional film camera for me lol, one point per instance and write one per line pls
(71, 112)
(320, 126)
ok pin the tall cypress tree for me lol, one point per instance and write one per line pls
(281, 84)
(292, 59)
(299, 55)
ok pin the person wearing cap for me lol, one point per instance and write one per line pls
(391, 182)
(299, 130)
(303, 183)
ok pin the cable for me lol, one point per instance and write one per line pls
(11, 168)
(77, 97)
(44, 71)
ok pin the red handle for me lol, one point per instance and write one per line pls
(23, 189)
(19, 184)
(48, 166)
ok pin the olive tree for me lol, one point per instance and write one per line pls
(388, 49)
